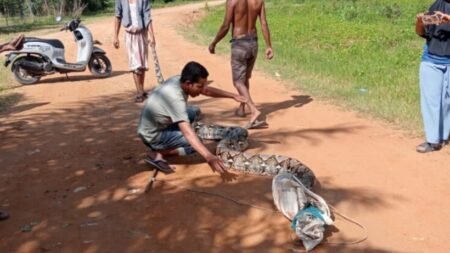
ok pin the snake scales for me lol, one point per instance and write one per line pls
(234, 140)
(158, 72)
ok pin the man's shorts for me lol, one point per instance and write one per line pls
(137, 49)
(243, 56)
(172, 137)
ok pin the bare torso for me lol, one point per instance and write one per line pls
(245, 14)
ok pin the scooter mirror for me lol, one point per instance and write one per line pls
(58, 19)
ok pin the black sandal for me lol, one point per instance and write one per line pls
(3, 215)
(139, 99)
(161, 165)
(427, 147)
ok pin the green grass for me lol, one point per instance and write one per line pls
(362, 54)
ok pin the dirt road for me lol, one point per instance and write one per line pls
(71, 168)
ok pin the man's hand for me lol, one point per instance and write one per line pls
(116, 43)
(445, 18)
(269, 53)
(240, 99)
(437, 18)
(212, 48)
(419, 16)
(216, 164)
(228, 177)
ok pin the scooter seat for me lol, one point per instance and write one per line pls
(53, 43)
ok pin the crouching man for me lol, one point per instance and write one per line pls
(165, 122)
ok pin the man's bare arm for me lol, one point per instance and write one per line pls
(117, 23)
(266, 31)
(223, 30)
(218, 93)
(213, 161)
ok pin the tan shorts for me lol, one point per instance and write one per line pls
(243, 56)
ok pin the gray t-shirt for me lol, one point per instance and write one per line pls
(166, 105)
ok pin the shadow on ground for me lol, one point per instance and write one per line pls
(75, 77)
(8, 100)
(72, 181)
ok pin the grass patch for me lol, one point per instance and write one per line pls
(359, 53)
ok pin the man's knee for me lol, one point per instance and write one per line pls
(194, 113)
(240, 83)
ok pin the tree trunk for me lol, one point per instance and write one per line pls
(30, 8)
(6, 11)
(75, 6)
(46, 8)
(61, 8)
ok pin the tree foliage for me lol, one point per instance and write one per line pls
(31, 8)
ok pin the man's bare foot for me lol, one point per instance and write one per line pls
(255, 123)
(255, 115)
(14, 44)
(240, 112)
(17, 41)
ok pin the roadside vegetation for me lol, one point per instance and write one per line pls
(359, 53)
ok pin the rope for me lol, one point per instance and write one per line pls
(366, 235)
(242, 203)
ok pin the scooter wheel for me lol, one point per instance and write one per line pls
(22, 76)
(100, 66)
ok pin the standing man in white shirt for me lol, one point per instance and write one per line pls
(135, 17)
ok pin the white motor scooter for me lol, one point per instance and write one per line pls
(36, 57)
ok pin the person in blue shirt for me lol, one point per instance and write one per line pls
(434, 77)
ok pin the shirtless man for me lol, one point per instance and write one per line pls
(242, 15)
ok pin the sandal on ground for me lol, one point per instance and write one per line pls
(257, 124)
(161, 165)
(3, 215)
(428, 147)
(139, 99)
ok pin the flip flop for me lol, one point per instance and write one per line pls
(257, 124)
(139, 99)
(161, 165)
(3, 215)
